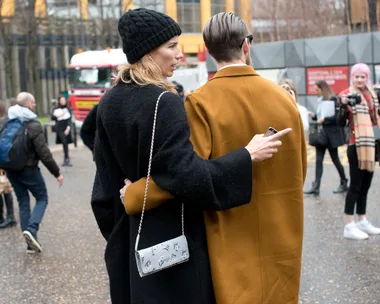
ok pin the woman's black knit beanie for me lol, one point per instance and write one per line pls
(143, 30)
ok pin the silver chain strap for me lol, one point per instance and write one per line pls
(148, 176)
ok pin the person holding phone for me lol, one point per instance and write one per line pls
(257, 238)
(124, 131)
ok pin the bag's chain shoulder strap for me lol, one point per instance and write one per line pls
(148, 176)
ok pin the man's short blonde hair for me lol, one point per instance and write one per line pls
(24, 98)
(223, 35)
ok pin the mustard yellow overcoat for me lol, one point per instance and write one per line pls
(255, 250)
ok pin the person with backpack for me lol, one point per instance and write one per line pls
(23, 146)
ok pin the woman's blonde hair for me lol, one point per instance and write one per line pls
(290, 83)
(144, 72)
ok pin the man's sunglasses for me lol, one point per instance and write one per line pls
(250, 39)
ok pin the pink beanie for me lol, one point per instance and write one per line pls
(361, 68)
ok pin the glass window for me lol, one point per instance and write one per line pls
(90, 78)
(189, 16)
(65, 3)
(217, 6)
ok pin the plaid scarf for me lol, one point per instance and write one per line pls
(364, 137)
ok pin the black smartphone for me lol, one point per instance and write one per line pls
(270, 131)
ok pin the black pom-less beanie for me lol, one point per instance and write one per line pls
(143, 30)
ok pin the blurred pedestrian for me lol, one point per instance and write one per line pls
(360, 108)
(334, 135)
(30, 177)
(180, 90)
(63, 117)
(12, 101)
(6, 198)
(288, 85)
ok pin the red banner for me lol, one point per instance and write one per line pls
(336, 77)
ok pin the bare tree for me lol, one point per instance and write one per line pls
(378, 14)
(6, 74)
(26, 23)
(292, 19)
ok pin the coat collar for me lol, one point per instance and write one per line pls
(235, 71)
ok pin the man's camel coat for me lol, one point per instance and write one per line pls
(255, 250)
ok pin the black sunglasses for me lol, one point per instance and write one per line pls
(249, 37)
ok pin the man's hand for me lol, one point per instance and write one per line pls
(320, 121)
(127, 183)
(263, 147)
(60, 180)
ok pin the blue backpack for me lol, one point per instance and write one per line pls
(14, 145)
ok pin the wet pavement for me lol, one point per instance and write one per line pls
(71, 268)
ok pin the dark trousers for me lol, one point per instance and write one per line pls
(30, 179)
(63, 139)
(360, 182)
(319, 164)
(7, 200)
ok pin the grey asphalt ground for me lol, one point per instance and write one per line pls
(71, 268)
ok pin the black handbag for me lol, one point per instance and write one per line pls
(317, 136)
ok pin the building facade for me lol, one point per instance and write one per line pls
(192, 15)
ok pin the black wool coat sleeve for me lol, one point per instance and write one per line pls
(124, 122)
(213, 184)
(88, 129)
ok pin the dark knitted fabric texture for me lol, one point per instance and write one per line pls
(143, 30)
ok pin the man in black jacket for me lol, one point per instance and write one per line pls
(30, 178)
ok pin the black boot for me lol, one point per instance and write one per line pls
(67, 163)
(8, 223)
(342, 187)
(314, 189)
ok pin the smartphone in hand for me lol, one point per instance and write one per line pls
(270, 131)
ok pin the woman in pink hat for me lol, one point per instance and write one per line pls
(360, 108)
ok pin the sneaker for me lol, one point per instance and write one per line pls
(31, 240)
(29, 250)
(365, 226)
(351, 231)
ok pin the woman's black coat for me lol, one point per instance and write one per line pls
(122, 143)
(60, 127)
(336, 136)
